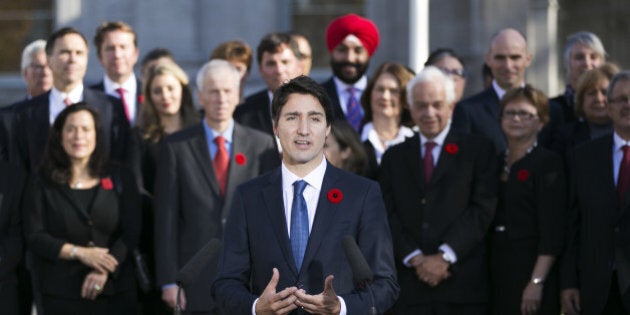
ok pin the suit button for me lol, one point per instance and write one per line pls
(423, 201)
(425, 226)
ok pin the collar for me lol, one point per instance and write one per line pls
(110, 87)
(211, 133)
(315, 178)
(359, 85)
(439, 139)
(75, 95)
(369, 133)
(618, 142)
(500, 92)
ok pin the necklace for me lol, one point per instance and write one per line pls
(77, 185)
(507, 166)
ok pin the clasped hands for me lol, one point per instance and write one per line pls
(430, 269)
(102, 263)
(289, 299)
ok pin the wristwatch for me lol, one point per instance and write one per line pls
(537, 281)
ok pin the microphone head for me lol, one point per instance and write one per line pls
(360, 268)
(191, 270)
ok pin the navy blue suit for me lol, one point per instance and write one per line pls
(256, 240)
(479, 115)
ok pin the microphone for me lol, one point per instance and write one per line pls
(361, 271)
(191, 270)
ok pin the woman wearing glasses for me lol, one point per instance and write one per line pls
(526, 235)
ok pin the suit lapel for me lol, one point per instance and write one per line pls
(413, 161)
(324, 216)
(445, 159)
(274, 204)
(201, 152)
(237, 173)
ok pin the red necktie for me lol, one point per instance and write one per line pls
(428, 160)
(220, 162)
(121, 92)
(623, 180)
(67, 101)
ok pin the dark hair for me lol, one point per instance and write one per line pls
(272, 43)
(234, 50)
(537, 98)
(441, 53)
(300, 85)
(155, 54)
(107, 27)
(347, 137)
(149, 120)
(50, 42)
(56, 166)
(402, 75)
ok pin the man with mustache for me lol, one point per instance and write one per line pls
(351, 41)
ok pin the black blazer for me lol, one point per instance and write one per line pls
(255, 112)
(257, 240)
(11, 189)
(479, 115)
(139, 98)
(53, 217)
(599, 228)
(31, 127)
(331, 89)
(455, 208)
(189, 208)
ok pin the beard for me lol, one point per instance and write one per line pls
(337, 68)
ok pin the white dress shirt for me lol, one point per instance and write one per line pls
(342, 90)
(130, 87)
(617, 154)
(57, 101)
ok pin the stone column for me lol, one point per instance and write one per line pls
(542, 35)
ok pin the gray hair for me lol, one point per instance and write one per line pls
(432, 74)
(31, 50)
(216, 65)
(622, 76)
(586, 38)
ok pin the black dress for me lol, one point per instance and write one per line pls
(528, 223)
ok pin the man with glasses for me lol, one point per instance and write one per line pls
(599, 216)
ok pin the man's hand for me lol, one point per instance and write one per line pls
(169, 296)
(326, 302)
(433, 270)
(570, 300)
(271, 302)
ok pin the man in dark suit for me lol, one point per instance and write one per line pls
(11, 243)
(351, 41)
(198, 171)
(440, 191)
(583, 51)
(508, 58)
(595, 269)
(277, 59)
(117, 50)
(282, 243)
(67, 53)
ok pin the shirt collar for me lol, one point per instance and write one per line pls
(500, 91)
(129, 85)
(315, 178)
(359, 85)
(75, 95)
(439, 139)
(369, 133)
(619, 142)
(211, 133)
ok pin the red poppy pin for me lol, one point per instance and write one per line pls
(240, 159)
(141, 99)
(522, 175)
(107, 183)
(451, 148)
(335, 195)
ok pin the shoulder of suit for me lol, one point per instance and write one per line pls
(100, 86)
(33, 103)
(481, 97)
(601, 143)
(256, 96)
(185, 134)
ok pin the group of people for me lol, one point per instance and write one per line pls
(503, 202)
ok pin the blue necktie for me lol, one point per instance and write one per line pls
(299, 223)
(353, 112)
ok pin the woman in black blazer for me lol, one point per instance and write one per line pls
(527, 231)
(82, 222)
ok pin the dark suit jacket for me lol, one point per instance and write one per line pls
(257, 240)
(53, 216)
(566, 106)
(31, 128)
(479, 115)
(11, 188)
(189, 208)
(599, 228)
(255, 112)
(455, 208)
(331, 89)
(101, 87)
(6, 139)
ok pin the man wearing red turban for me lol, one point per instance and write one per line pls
(351, 41)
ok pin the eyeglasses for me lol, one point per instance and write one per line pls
(623, 99)
(38, 68)
(521, 114)
(454, 72)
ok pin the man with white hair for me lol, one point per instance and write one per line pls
(35, 70)
(439, 212)
(198, 171)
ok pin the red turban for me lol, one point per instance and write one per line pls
(362, 28)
